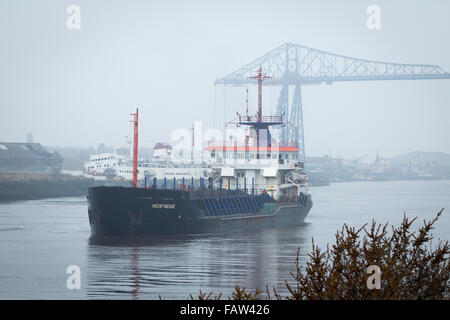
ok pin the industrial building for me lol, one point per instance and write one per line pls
(28, 157)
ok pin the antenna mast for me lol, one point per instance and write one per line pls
(260, 77)
(246, 101)
(135, 147)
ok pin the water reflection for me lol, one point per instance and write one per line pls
(174, 267)
(41, 238)
(135, 267)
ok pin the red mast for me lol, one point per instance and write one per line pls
(135, 147)
(260, 77)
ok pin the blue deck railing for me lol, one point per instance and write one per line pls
(243, 184)
(210, 196)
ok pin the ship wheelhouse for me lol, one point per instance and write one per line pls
(257, 169)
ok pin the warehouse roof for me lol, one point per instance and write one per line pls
(25, 151)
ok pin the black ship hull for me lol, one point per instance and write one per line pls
(121, 211)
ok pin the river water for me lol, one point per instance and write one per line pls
(40, 239)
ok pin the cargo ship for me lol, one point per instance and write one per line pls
(255, 182)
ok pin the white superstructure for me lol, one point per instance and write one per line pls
(115, 166)
(274, 169)
(99, 163)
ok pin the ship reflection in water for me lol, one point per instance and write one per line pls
(173, 268)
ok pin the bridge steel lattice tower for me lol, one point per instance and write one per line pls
(295, 65)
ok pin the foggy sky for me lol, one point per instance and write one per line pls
(77, 87)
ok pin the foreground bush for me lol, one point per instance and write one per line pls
(409, 266)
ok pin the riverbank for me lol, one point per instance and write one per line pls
(33, 186)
